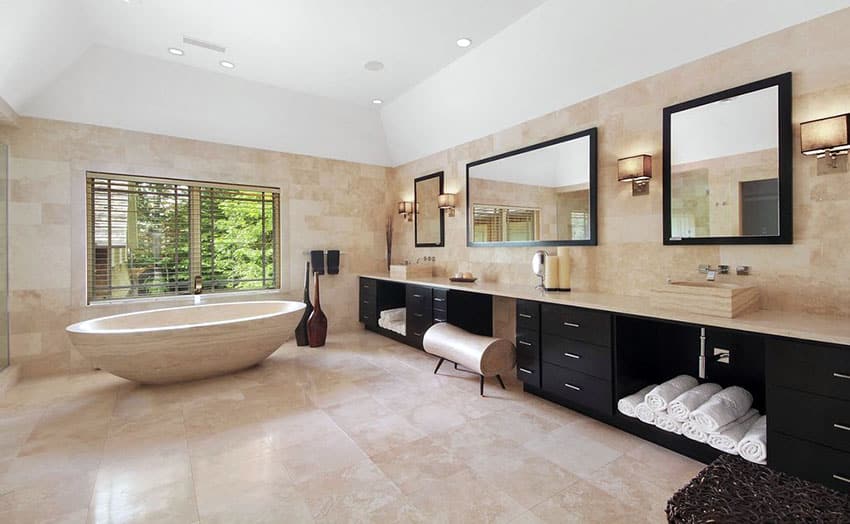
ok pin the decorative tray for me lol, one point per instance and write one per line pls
(455, 279)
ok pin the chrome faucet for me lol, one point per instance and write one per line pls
(199, 285)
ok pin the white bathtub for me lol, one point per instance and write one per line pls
(186, 343)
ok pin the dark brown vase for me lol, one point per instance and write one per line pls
(317, 326)
(301, 330)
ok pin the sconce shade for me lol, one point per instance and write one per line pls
(405, 208)
(827, 136)
(446, 201)
(634, 168)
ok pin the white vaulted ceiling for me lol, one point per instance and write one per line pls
(299, 84)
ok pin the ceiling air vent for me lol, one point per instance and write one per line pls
(206, 45)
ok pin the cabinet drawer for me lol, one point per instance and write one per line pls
(528, 350)
(440, 314)
(368, 288)
(440, 296)
(820, 419)
(528, 315)
(368, 314)
(577, 324)
(814, 368)
(528, 375)
(578, 388)
(809, 461)
(577, 355)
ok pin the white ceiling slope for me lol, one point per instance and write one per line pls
(130, 91)
(566, 51)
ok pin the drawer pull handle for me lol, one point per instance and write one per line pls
(438, 300)
(417, 334)
(523, 315)
(526, 371)
(573, 387)
(417, 296)
(365, 317)
(841, 426)
(842, 479)
(570, 324)
(841, 375)
(365, 301)
(524, 343)
(572, 355)
(418, 315)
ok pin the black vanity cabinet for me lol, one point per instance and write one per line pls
(420, 316)
(808, 394)
(528, 342)
(368, 302)
(575, 352)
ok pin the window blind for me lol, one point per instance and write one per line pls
(150, 237)
(504, 223)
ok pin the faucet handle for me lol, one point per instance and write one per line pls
(723, 269)
(742, 270)
(704, 268)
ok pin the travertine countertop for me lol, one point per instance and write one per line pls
(803, 326)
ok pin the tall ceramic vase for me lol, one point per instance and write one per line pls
(301, 330)
(317, 326)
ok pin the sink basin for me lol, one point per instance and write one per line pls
(718, 299)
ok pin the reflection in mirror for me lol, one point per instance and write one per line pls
(723, 169)
(428, 216)
(537, 195)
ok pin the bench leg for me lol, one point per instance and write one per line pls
(500, 381)
(440, 363)
(482, 385)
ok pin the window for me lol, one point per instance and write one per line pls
(505, 224)
(150, 237)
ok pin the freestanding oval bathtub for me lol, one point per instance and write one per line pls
(186, 343)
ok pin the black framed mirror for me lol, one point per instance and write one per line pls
(540, 195)
(429, 220)
(728, 168)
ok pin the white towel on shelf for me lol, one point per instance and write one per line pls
(727, 438)
(693, 432)
(691, 399)
(627, 405)
(722, 408)
(667, 423)
(394, 315)
(661, 395)
(645, 413)
(753, 446)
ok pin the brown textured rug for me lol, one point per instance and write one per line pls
(730, 489)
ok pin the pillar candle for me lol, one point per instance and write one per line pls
(550, 279)
(564, 268)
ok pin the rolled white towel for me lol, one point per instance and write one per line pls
(728, 437)
(667, 423)
(691, 399)
(645, 413)
(753, 446)
(661, 395)
(626, 405)
(721, 409)
(394, 315)
(693, 432)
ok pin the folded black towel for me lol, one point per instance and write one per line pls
(317, 260)
(333, 261)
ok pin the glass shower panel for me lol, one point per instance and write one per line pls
(4, 256)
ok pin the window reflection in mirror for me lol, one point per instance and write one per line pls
(542, 194)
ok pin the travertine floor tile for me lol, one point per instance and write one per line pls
(358, 431)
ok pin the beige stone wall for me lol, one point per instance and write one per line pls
(811, 275)
(324, 204)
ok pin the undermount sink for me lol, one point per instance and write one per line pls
(718, 299)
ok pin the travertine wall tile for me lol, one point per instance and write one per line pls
(812, 275)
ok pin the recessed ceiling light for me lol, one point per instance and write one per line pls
(464, 42)
(175, 51)
(373, 65)
(377, 101)
(226, 64)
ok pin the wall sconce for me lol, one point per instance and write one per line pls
(637, 170)
(826, 137)
(447, 201)
(406, 210)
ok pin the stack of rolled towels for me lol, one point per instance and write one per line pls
(722, 418)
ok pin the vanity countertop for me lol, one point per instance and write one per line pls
(818, 328)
